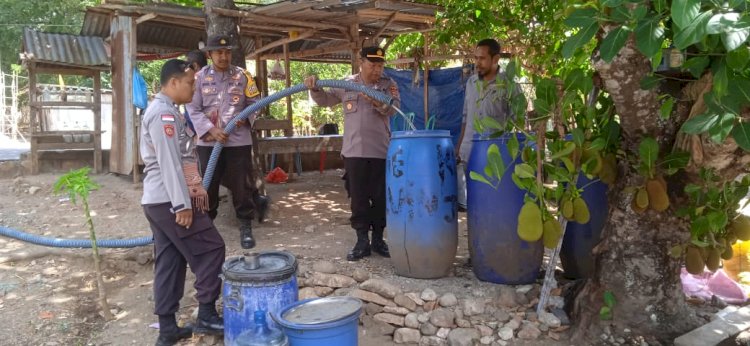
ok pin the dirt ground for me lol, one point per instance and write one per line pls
(47, 296)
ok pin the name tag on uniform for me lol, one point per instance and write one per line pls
(167, 118)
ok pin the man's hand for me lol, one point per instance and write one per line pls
(184, 218)
(218, 135)
(241, 123)
(310, 82)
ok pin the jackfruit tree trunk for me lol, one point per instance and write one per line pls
(632, 260)
(220, 25)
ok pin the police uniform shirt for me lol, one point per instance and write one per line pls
(483, 99)
(219, 97)
(367, 129)
(166, 142)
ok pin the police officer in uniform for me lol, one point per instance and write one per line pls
(222, 91)
(175, 205)
(367, 133)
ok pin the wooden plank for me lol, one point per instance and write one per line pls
(70, 70)
(97, 123)
(292, 145)
(283, 42)
(429, 58)
(33, 114)
(312, 52)
(60, 104)
(387, 23)
(426, 80)
(258, 18)
(271, 124)
(288, 82)
(60, 133)
(354, 32)
(65, 146)
(145, 18)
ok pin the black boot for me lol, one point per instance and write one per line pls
(169, 332)
(261, 208)
(208, 321)
(362, 248)
(378, 244)
(246, 234)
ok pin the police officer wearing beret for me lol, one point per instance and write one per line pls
(367, 133)
(222, 91)
(175, 205)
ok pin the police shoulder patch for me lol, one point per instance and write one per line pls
(169, 130)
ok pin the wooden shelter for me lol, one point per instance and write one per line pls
(58, 54)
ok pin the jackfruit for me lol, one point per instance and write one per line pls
(581, 211)
(662, 181)
(530, 222)
(552, 233)
(714, 259)
(635, 207)
(608, 174)
(641, 198)
(599, 163)
(657, 195)
(728, 252)
(741, 227)
(694, 262)
(567, 208)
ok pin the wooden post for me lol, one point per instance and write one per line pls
(354, 33)
(98, 122)
(288, 132)
(260, 74)
(34, 111)
(426, 80)
(122, 156)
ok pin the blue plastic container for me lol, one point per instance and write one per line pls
(264, 281)
(580, 239)
(331, 321)
(261, 334)
(421, 203)
(497, 253)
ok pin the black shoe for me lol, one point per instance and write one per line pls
(213, 325)
(169, 339)
(246, 235)
(380, 248)
(358, 254)
(261, 208)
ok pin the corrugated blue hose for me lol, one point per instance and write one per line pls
(142, 241)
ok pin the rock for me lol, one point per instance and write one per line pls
(34, 189)
(507, 297)
(377, 327)
(462, 323)
(463, 337)
(487, 340)
(432, 341)
(448, 300)
(381, 287)
(403, 300)
(523, 289)
(564, 320)
(372, 309)
(360, 275)
(428, 329)
(323, 291)
(529, 332)
(521, 299)
(371, 297)
(443, 333)
(473, 306)
(543, 327)
(513, 324)
(534, 292)
(342, 292)
(310, 229)
(501, 316)
(423, 317)
(411, 321)
(390, 319)
(325, 267)
(556, 301)
(505, 333)
(396, 310)
(428, 295)
(483, 330)
(331, 280)
(429, 306)
(415, 298)
(442, 318)
(531, 316)
(501, 343)
(307, 293)
(549, 319)
(303, 270)
(406, 335)
(459, 312)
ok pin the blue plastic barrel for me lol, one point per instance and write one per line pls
(497, 253)
(580, 239)
(264, 281)
(321, 321)
(421, 203)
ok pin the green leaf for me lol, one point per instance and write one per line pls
(692, 33)
(605, 314)
(734, 38)
(574, 80)
(685, 11)
(614, 41)
(721, 78)
(513, 147)
(640, 12)
(737, 59)
(742, 87)
(649, 151)
(696, 65)
(581, 17)
(491, 123)
(620, 14)
(650, 81)
(649, 35)
(478, 177)
(666, 108)
(495, 161)
(568, 164)
(741, 135)
(598, 144)
(578, 136)
(675, 160)
(580, 39)
(722, 127)
(699, 124)
(611, 3)
(609, 299)
(656, 60)
(565, 151)
(524, 170)
(541, 107)
(477, 13)
(721, 22)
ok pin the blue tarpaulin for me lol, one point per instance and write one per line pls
(446, 99)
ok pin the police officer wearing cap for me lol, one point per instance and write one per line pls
(222, 91)
(367, 133)
(175, 205)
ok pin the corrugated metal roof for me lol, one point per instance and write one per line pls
(64, 49)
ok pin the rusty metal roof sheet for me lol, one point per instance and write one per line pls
(64, 49)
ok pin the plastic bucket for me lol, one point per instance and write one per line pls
(331, 321)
